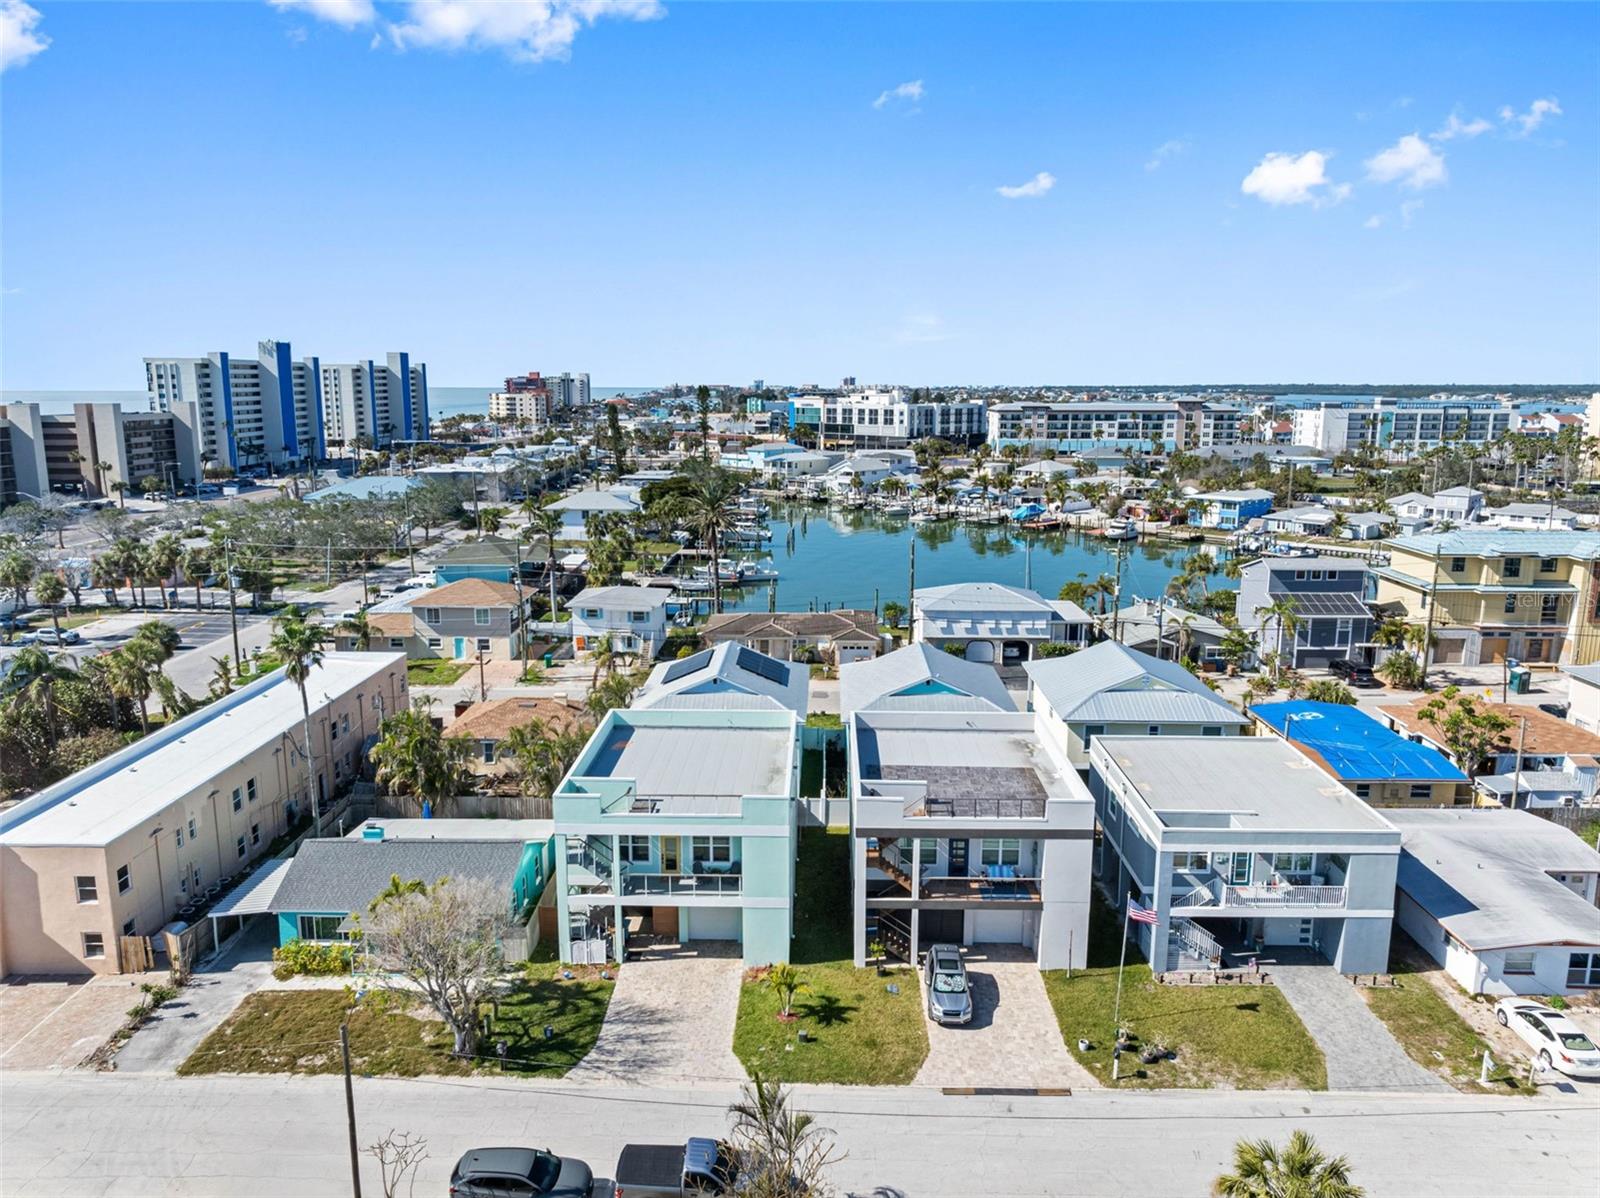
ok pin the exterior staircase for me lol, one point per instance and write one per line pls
(1190, 947)
(588, 865)
(895, 933)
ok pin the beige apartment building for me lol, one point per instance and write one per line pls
(121, 848)
(1498, 593)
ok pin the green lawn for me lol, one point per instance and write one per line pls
(435, 671)
(859, 1033)
(297, 1031)
(1430, 1031)
(1244, 1037)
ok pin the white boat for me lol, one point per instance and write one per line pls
(895, 509)
(727, 570)
(757, 572)
(1120, 530)
(925, 518)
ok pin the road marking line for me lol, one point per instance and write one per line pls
(77, 988)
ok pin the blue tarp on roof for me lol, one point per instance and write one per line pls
(1355, 746)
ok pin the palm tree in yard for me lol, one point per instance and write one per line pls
(359, 629)
(300, 646)
(128, 674)
(1297, 1170)
(33, 679)
(706, 506)
(1284, 613)
(413, 757)
(50, 590)
(196, 565)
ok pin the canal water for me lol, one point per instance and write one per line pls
(840, 558)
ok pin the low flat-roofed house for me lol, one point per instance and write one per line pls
(1503, 900)
(921, 678)
(680, 825)
(1535, 789)
(1240, 844)
(635, 618)
(729, 677)
(157, 830)
(1231, 510)
(1542, 516)
(1112, 690)
(331, 883)
(1311, 520)
(966, 829)
(469, 617)
(1374, 762)
(1546, 742)
(487, 725)
(995, 623)
(838, 636)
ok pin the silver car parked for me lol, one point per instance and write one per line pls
(945, 974)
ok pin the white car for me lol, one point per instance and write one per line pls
(1559, 1043)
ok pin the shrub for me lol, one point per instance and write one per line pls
(310, 958)
(1402, 671)
(1556, 1002)
(1055, 649)
(1330, 690)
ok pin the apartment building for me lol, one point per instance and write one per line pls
(155, 831)
(93, 447)
(1142, 426)
(887, 419)
(1331, 619)
(1400, 425)
(1496, 594)
(1239, 844)
(273, 410)
(965, 829)
(530, 407)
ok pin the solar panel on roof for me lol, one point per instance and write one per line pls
(688, 665)
(1324, 603)
(763, 666)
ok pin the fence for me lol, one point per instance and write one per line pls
(473, 806)
(825, 813)
(1570, 818)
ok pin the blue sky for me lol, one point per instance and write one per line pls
(687, 191)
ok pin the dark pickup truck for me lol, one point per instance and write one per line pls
(701, 1166)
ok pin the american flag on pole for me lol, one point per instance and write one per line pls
(1140, 914)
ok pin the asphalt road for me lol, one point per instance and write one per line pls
(127, 1135)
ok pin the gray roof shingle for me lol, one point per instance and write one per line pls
(346, 875)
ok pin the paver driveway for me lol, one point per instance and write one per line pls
(670, 1020)
(1013, 1040)
(1360, 1051)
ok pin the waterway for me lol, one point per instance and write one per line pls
(842, 558)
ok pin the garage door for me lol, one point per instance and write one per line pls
(997, 927)
(980, 651)
(849, 653)
(712, 923)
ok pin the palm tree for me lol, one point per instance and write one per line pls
(164, 555)
(1298, 1170)
(397, 888)
(33, 679)
(222, 677)
(1285, 613)
(605, 656)
(299, 646)
(50, 590)
(706, 505)
(128, 675)
(359, 629)
(196, 565)
(540, 757)
(413, 757)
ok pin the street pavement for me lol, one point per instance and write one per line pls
(67, 1135)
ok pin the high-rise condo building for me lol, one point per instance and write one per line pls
(93, 448)
(1400, 425)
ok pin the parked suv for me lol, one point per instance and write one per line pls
(949, 999)
(1353, 672)
(519, 1173)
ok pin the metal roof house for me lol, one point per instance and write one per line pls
(1112, 690)
(726, 678)
(995, 623)
(966, 829)
(919, 677)
(1240, 844)
(1374, 762)
(1504, 900)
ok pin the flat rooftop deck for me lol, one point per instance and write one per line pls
(687, 762)
(970, 770)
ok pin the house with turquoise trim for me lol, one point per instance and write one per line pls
(678, 824)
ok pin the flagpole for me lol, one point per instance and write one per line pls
(1116, 1016)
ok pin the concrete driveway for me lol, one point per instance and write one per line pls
(670, 1021)
(55, 1023)
(177, 1028)
(1013, 1041)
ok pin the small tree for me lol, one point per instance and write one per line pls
(1298, 1170)
(780, 1152)
(784, 980)
(50, 590)
(1330, 690)
(893, 612)
(398, 1154)
(1468, 729)
(444, 943)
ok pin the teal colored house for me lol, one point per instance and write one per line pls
(330, 882)
(494, 559)
(679, 824)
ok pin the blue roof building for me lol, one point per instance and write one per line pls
(1376, 764)
(370, 486)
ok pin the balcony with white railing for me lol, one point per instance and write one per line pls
(1190, 894)
(682, 885)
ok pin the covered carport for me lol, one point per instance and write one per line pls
(251, 898)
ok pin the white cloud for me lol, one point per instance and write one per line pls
(1166, 150)
(1032, 189)
(1411, 162)
(1528, 121)
(1294, 179)
(906, 91)
(1456, 127)
(1375, 221)
(347, 14)
(526, 30)
(20, 39)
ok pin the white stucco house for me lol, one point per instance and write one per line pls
(575, 507)
(996, 623)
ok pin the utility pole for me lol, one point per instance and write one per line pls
(483, 686)
(233, 605)
(1433, 602)
(1516, 777)
(911, 605)
(350, 1111)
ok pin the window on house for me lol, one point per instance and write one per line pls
(1363, 790)
(1457, 565)
(1291, 863)
(488, 752)
(250, 790)
(483, 644)
(591, 613)
(333, 730)
(1549, 605)
(435, 642)
(1583, 970)
(94, 945)
(129, 927)
(88, 892)
(1341, 632)
(633, 849)
(1194, 862)
(430, 615)
(180, 837)
(191, 828)
(255, 834)
(707, 849)
(1511, 567)
(1547, 565)
(321, 927)
(1316, 576)
(344, 725)
(124, 880)
(396, 642)
(1421, 790)
(1211, 730)
(1006, 850)
(1511, 604)
(638, 617)
(1519, 964)
(1153, 730)
(1300, 575)
(239, 845)
(480, 616)
(183, 884)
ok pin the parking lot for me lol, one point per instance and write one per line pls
(53, 1023)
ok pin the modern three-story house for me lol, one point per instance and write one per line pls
(1331, 619)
